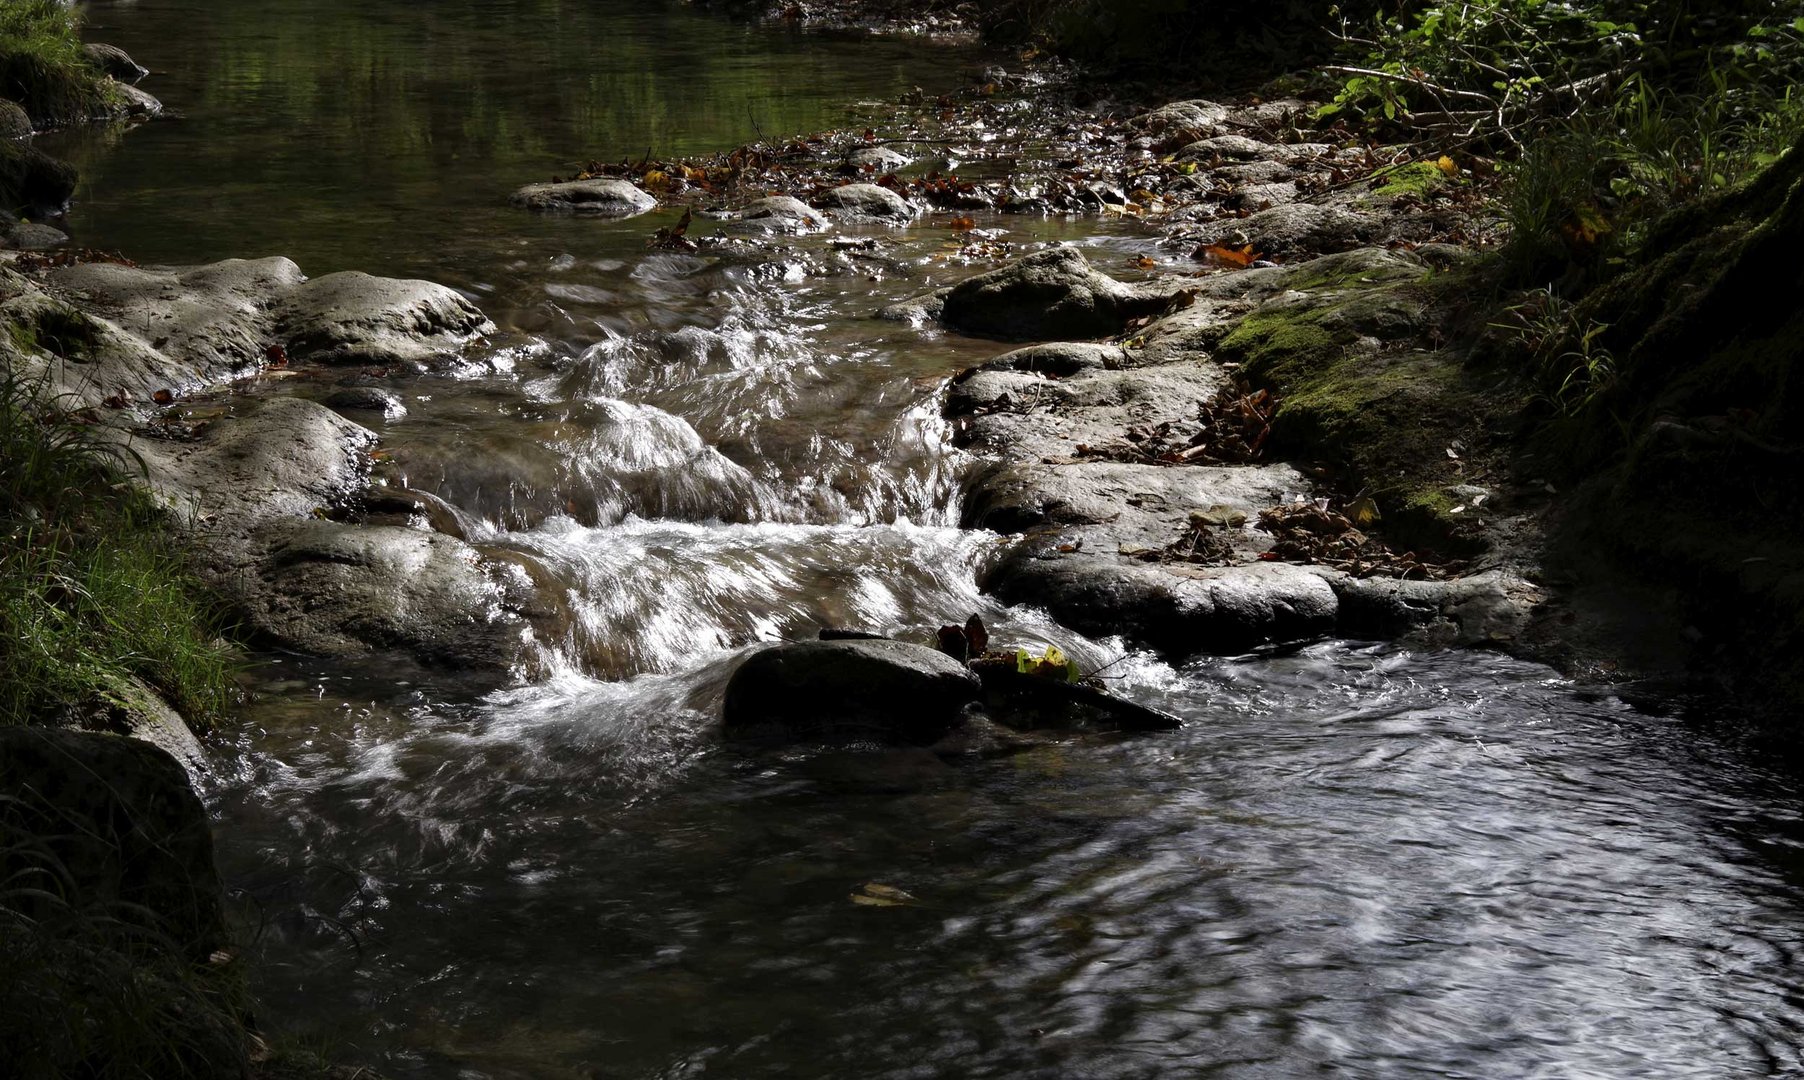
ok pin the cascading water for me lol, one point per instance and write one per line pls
(1353, 859)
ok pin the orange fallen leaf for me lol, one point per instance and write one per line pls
(962, 224)
(1222, 255)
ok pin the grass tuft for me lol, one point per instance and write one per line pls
(42, 65)
(93, 592)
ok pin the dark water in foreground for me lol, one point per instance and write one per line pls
(1353, 861)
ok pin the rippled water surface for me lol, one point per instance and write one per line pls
(1353, 860)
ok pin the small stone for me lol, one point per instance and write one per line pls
(1218, 516)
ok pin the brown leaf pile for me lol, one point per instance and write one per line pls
(1234, 428)
(1314, 535)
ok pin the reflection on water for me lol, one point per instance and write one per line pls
(1352, 860)
(1356, 860)
(385, 136)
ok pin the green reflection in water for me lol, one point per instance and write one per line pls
(386, 135)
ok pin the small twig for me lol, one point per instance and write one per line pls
(1470, 95)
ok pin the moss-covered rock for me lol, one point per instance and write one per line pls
(1342, 350)
(1691, 454)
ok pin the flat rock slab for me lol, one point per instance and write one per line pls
(602, 197)
(351, 317)
(254, 487)
(876, 690)
(132, 331)
(1175, 610)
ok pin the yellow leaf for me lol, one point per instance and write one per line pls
(656, 180)
(1447, 166)
(1054, 657)
(1363, 511)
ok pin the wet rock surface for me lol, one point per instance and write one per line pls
(114, 61)
(866, 202)
(870, 690)
(780, 214)
(1049, 295)
(602, 197)
(129, 332)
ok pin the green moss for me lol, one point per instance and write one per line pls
(1357, 396)
(1415, 178)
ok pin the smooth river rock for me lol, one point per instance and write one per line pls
(109, 331)
(877, 690)
(867, 202)
(15, 122)
(601, 197)
(779, 214)
(1049, 295)
(353, 318)
(114, 61)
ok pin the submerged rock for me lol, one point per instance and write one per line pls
(30, 236)
(867, 202)
(33, 180)
(601, 197)
(886, 691)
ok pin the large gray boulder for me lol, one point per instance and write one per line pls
(111, 331)
(600, 197)
(880, 690)
(351, 317)
(1048, 295)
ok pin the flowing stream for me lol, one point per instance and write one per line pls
(1353, 860)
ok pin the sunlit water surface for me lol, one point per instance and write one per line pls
(1353, 860)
